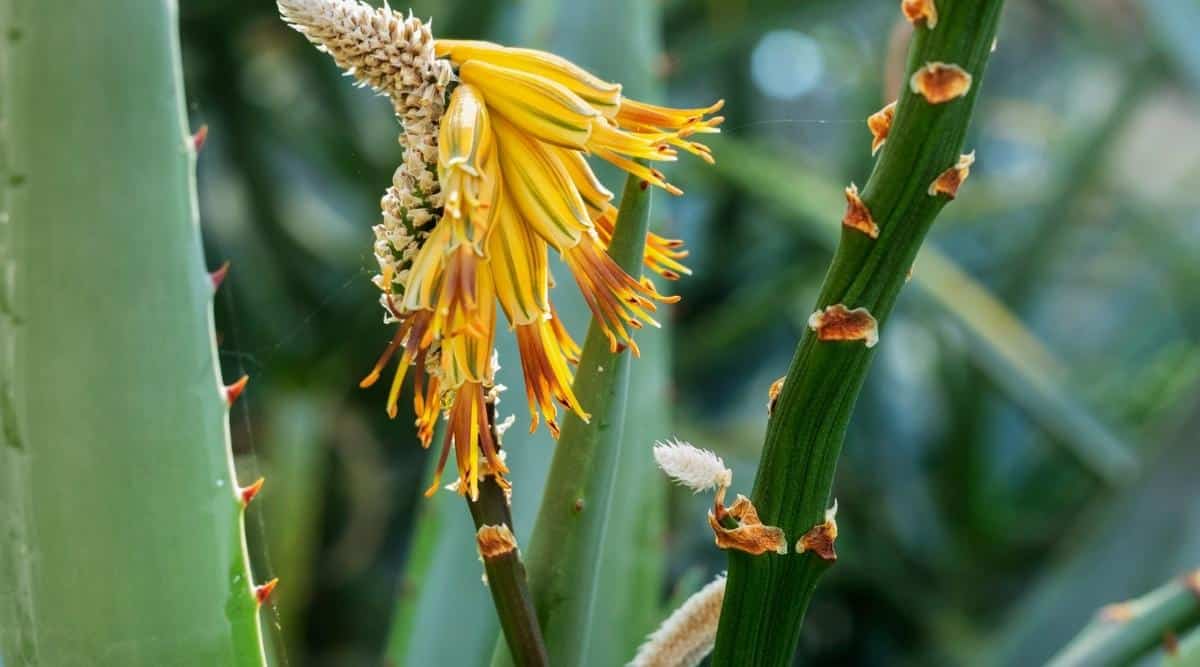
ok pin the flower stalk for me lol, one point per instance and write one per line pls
(502, 564)
(767, 595)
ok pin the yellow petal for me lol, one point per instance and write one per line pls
(537, 105)
(517, 260)
(593, 192)
(467, 168)
(425, 278)
(602, 95)
(540, 188)
(467, 357)
(465, 137)
(634, 112)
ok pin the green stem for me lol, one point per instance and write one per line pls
(767, 595)
(506, 574)
(571, 522)
(1114, 640)
(116, 442)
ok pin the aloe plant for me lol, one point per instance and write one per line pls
(767, 595)
(1124, 632)
(122, 516)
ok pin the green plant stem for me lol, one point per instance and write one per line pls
(1171, 609)
(1003, 348)
(116, 442)
(767, 596)
(571, 522)
(506, 574)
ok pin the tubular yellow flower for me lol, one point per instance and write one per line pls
(468, 168)
(603, 96)
(495, 175)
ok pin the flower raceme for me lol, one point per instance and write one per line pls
(495, 176)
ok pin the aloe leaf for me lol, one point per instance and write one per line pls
(123, 541)
(1117, 538)
(1129, 630)
(619, 39)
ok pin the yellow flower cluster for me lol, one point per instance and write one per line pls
(514, 183)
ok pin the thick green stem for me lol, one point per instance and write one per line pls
(767, 595)
(506, 574)
(1125, 632)
(129, 546)
(571, 523)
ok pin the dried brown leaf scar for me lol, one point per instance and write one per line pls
(837, 322)
(920, 11)
(750, 535)
(940, 82)
(857, 215)
(495, 541)
(948, 182)
(821, 537)
(880, 124)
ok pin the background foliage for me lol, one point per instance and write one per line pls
(1013, 463)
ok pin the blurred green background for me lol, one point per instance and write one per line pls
(1027, 445)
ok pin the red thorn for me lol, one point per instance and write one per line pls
(247, 493)
(261, 593)
(644, 184)
(218, 276)
(233, 391)
(200, 137)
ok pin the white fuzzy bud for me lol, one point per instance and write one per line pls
(698, 469)
(688, 634)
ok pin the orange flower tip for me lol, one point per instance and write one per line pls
(838, 323)
(669, 274)
(674, 243)
(940, 82)
(948, 182)
(370, 380)
(392, 411)
(233, 391)
(1120, 612)
(673, 190)
(820, 538)
(880, 124)
(199, 138)
(262, 592)
(495, 541)
(920, 11)
(857, 215)
(218, 277)
(248, 493)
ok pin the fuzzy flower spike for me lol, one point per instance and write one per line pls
(495, 175)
